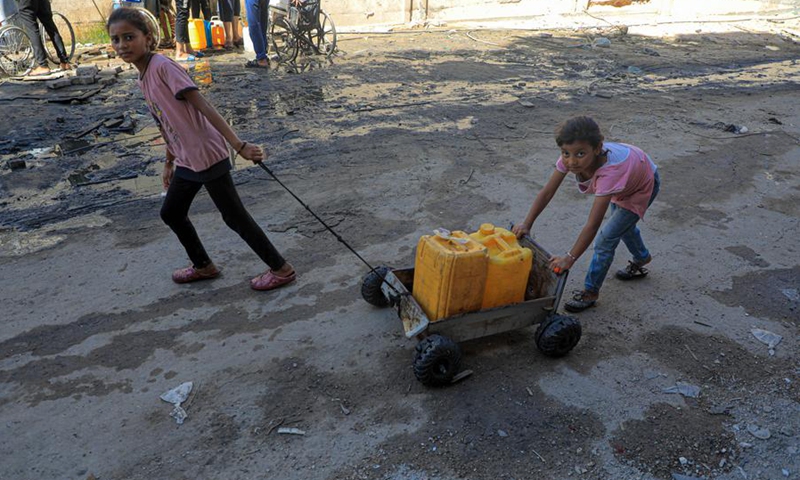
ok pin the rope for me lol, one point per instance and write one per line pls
(338, 237)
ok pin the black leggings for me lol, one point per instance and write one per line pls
(229, 9)
(175, 210)
(201, 5)
(182, 21)
(29, 12)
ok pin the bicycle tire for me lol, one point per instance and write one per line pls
(67, 36)
(153, 23)
(325, 35)
(284, 40)
(16, 51)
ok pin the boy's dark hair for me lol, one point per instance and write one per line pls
(579, 129)
(134, 17)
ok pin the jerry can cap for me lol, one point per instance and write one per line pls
(487, 229)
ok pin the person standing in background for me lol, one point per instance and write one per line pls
(258, 18)
(229, 12)
(201, 5)
(183, 49)
(31, 12)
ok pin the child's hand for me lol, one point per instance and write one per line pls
(560, 264)
(252, 152)
(167, 174)
(520, 230)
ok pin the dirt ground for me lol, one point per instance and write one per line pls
(397, 135)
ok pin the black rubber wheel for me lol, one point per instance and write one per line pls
(557, 335)
(371, 287)
(437, 360)
(284, 42)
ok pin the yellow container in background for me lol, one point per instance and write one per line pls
(197, 34)
(449, 274)
(509, 266)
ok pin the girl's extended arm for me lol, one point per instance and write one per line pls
(539, 203)
(596, 215)
(247, 150)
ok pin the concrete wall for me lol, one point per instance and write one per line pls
(349, 13)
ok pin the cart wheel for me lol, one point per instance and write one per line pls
(437, 360)
(557, 335)
(371, 287)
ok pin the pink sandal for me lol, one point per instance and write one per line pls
(191, 274)
(270, 281)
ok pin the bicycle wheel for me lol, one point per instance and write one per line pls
(324, 35)
(16, 51)
(152, 23)
(67, 36)
(284, 41)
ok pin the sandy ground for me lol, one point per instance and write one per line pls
(398, 135)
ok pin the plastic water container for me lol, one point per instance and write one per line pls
(207, 28)
(509, 266)
(449, 274)
(248, 42)
(197, 34)
(217, 32)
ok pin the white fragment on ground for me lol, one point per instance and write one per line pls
(502, 433)
(771, 340)
(758, 432)
(291, 431)
(792, 294)
(685, 389)
(176, 396)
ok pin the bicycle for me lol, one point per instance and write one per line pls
(16, 49)
(67, 36)
(305, 27)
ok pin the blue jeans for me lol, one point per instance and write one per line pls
(620, 226)
(258, 20)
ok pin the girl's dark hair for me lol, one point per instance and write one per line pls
(132, 16)
(579, 129)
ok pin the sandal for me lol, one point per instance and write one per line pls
(191, 274)
(633, 271)
(270, 281)
(255, 64)
(579, 302)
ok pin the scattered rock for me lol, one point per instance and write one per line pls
(59, 83)
(86, 71)
(635, 70)
(683, 460)
(786, 430)
(684, 389)
(678, 476)
(502, 433)
(758, 432)
(83, 80)
(602, 42)
(16, 164)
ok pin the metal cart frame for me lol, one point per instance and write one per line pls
(437, 355)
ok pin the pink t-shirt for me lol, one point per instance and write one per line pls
(190, 137)
(627, 176)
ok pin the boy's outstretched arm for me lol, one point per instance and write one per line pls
(588, 233)
(539, 203)
(247, 150)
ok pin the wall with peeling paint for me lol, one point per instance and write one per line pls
(382, 12)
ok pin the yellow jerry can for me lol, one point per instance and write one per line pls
(509, 266)
(197, 34)
(449, 274)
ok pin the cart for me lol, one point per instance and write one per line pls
(438, 356)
